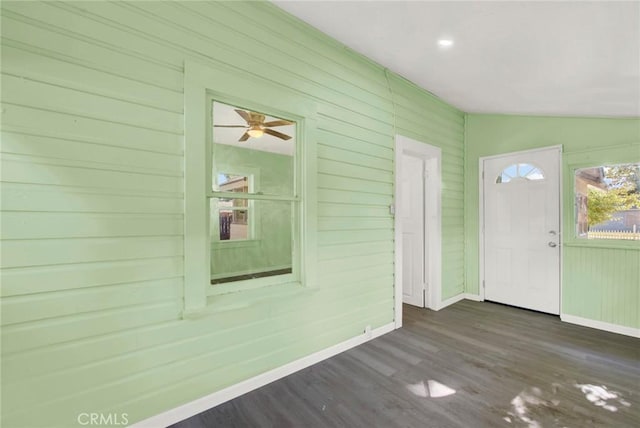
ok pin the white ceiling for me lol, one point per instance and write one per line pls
(511, 57)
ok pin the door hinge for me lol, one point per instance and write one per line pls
(483, 284)
(425, 173)
(483, 174)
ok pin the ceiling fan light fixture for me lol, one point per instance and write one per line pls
(256, 126)
(255, 132)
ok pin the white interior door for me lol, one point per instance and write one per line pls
(522, 229)
(413, 236)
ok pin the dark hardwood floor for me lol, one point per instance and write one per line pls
(470, 365)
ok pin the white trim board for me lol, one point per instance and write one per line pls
(450, 301)
(473, 297)
(455, 299)
(570, 319)
(601, 325)
(185, 411)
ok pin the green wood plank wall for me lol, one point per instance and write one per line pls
(600, 284)
(92, 193)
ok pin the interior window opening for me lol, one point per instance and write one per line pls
(253, 203)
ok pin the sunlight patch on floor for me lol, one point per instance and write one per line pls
(602, 397)
(530, 408)
(535, 408)
(520, 407)
(432, 388)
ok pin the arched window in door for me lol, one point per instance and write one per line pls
(520, 171)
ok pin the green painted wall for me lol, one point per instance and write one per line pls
(270, 246)
(600, 280)
(93, 197)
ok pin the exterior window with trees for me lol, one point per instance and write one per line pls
(608, 202)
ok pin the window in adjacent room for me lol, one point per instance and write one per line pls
(253, 200)
(234, 217)
(607, 200)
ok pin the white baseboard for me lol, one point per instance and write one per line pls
(473, 297)
(600, 325)
(455, 299)
(571, 319)
(185, 411)
(450, 301)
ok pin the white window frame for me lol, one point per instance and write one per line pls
(253, 197)
(235, 87)
(585, 238)
(588, 158)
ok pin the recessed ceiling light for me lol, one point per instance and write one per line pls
(445, 43)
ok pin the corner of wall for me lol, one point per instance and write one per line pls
(465, 226)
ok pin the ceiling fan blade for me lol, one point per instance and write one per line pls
(277, 134)
(277, 123)
(244, 137)
(230, 126)
(245, 115)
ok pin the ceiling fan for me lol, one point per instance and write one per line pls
(256, 126)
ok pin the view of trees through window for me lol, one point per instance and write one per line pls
(608, 202)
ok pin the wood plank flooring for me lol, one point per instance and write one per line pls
(508, 367)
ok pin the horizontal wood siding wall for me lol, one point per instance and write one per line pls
(601, 284)
(92, 200)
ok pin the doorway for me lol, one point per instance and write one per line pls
(520, 229)
(417, 225)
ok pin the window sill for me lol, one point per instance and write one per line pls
(251, 284)
(245, 298)
(244, 243)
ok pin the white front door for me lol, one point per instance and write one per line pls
(413, 237)
(522, 229)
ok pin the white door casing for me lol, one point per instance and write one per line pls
(413, 238)
(430, 180)
(521, 234)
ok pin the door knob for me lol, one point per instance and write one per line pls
(552, 244)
